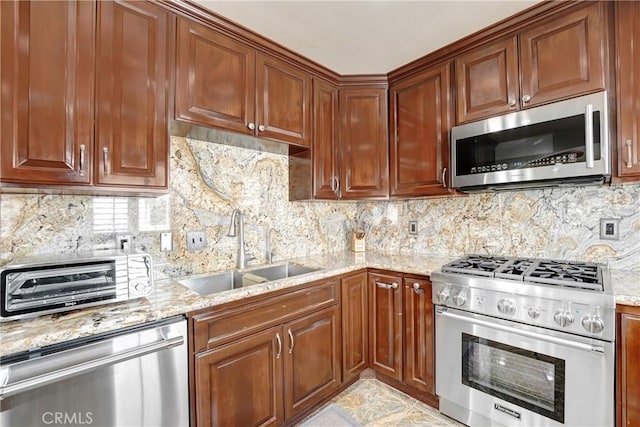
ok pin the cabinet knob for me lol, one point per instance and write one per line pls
(629, 153)
(337, 185)
(251, 126)
(512, 102)
(526, 98)
(261, 128)
(416, 288)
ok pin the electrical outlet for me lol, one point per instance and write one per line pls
(196, 240)
(123, 242)
(610, 228)
(166, 242)
(413, 227)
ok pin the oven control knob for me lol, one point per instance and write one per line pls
(506, 306)
(563, 318)
(460, 298)
(593, 324)
(533, 312)
(443, 295)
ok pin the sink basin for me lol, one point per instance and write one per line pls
(213, 283)
(228, 280)
(283, 271)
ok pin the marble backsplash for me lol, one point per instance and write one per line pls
(559, 223)
(209, 180)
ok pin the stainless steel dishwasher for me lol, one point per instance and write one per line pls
(136, 376)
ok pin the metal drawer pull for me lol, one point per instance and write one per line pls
(292, 343)
(444, 177)
(383, 285)
(337, 190)
(279, 346)
(530, 334)
(105, 158)
(629, 154)
(82, 159)
(416, 289)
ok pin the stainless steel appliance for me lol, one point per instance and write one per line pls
(566, 142)
(44, 285)
(134, 377)
(525, 342)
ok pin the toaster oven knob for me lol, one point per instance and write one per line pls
(506, 306)
(443, 295)
(563, 318)
(593, 324)
(460, 298)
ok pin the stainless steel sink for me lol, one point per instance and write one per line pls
(283, 271)
(213, 283)
(228, 280)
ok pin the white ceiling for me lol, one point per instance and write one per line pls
(365, 37)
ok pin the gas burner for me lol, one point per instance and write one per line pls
(516, 269)
(482, 265)
(582, 275)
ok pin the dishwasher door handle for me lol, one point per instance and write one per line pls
(84, 367)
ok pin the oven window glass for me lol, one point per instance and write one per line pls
(531, 146)
(525, 378)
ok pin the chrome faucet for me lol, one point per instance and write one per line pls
(237, 222)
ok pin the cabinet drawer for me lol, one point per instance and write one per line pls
(222, 325)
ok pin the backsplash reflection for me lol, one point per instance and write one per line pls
(209, 180)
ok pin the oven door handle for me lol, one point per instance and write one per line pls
(530, 334)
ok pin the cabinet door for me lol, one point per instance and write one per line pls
(419, 343)
(563, 58)
(311, 359)
(325, 140)
(283, 101)
(420, 124)
(240, 384)
(47, 71)
(628, 78)
(132, 92)
(629, 370)
(355, 328)
(363, 142)
(385, 324)
(487, 80)
(215, 79)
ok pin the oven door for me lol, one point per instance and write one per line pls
(491, 372)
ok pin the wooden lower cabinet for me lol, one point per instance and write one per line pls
(355, 327)
(419, 339)
(311, 359)
(385, 324)
(240, 384)
(628, 368)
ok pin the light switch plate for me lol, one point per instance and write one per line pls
(610, 228)
(413, 227)
(166, 241)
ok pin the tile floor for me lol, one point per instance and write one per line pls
(374, 404)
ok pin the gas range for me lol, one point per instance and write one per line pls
(568, 296)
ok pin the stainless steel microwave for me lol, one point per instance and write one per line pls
(51, 284)
(564, 143)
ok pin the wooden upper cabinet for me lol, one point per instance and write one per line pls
(215, 79)
(224, 83)
(628, 90)
(46, 127)
(283, 101)
(487, 80)
(132, 139)
(563, 57)
(325, 153)
(363, 142)
(420, 124)
(556, 59)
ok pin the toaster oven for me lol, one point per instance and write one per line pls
(52, 284)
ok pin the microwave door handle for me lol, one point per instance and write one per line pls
(588, 133)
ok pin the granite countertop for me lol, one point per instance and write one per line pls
(171, 298)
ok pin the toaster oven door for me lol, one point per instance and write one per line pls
(29, 291)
